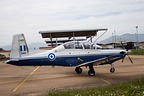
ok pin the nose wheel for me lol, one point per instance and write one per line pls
(78, 70)
(112, 69)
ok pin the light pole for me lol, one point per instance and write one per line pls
(137, 39)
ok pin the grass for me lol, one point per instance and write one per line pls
(137, 51)
(131, 88)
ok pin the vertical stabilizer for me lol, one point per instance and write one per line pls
(19, 47)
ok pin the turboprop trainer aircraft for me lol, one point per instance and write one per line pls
(70, 54)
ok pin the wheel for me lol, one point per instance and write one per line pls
(78, 70)
(91, 72)
(112, 70)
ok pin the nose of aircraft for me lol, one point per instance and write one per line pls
(124, 52)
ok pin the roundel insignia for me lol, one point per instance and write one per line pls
(51, 57)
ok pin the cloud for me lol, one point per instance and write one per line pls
(31, 16)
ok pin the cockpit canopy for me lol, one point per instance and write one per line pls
(80, 45)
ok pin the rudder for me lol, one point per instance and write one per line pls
(19, 47)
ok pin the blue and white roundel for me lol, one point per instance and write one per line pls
(51, 57)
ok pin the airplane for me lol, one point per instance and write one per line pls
(69, 54)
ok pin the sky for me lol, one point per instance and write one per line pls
(31, 16)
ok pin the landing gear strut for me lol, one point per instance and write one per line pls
(91, 71)
(78, 70)
(112, 69)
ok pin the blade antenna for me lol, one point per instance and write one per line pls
(123, 59)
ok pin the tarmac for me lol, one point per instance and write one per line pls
(29, 81)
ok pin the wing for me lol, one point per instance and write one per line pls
(102, 61)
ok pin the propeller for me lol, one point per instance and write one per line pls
(128, 57)
(123, 59)
(127, 48)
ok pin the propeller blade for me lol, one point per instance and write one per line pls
(122, 45)
(123, 59)
(130, 59)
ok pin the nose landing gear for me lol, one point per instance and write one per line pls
(112, 69)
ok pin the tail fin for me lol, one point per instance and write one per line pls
(19, 47)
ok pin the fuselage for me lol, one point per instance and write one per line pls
(70, 55)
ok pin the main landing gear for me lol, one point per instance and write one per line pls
(91, 71)
(78, 70)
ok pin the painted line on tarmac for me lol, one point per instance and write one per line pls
(21, 83)
(105, 81)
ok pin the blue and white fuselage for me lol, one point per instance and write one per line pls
(64, 56)
(74, 53)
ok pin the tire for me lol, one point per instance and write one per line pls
(91, 72)
(112, 70)
(78, 70)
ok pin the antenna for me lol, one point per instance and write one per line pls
(114, 38)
